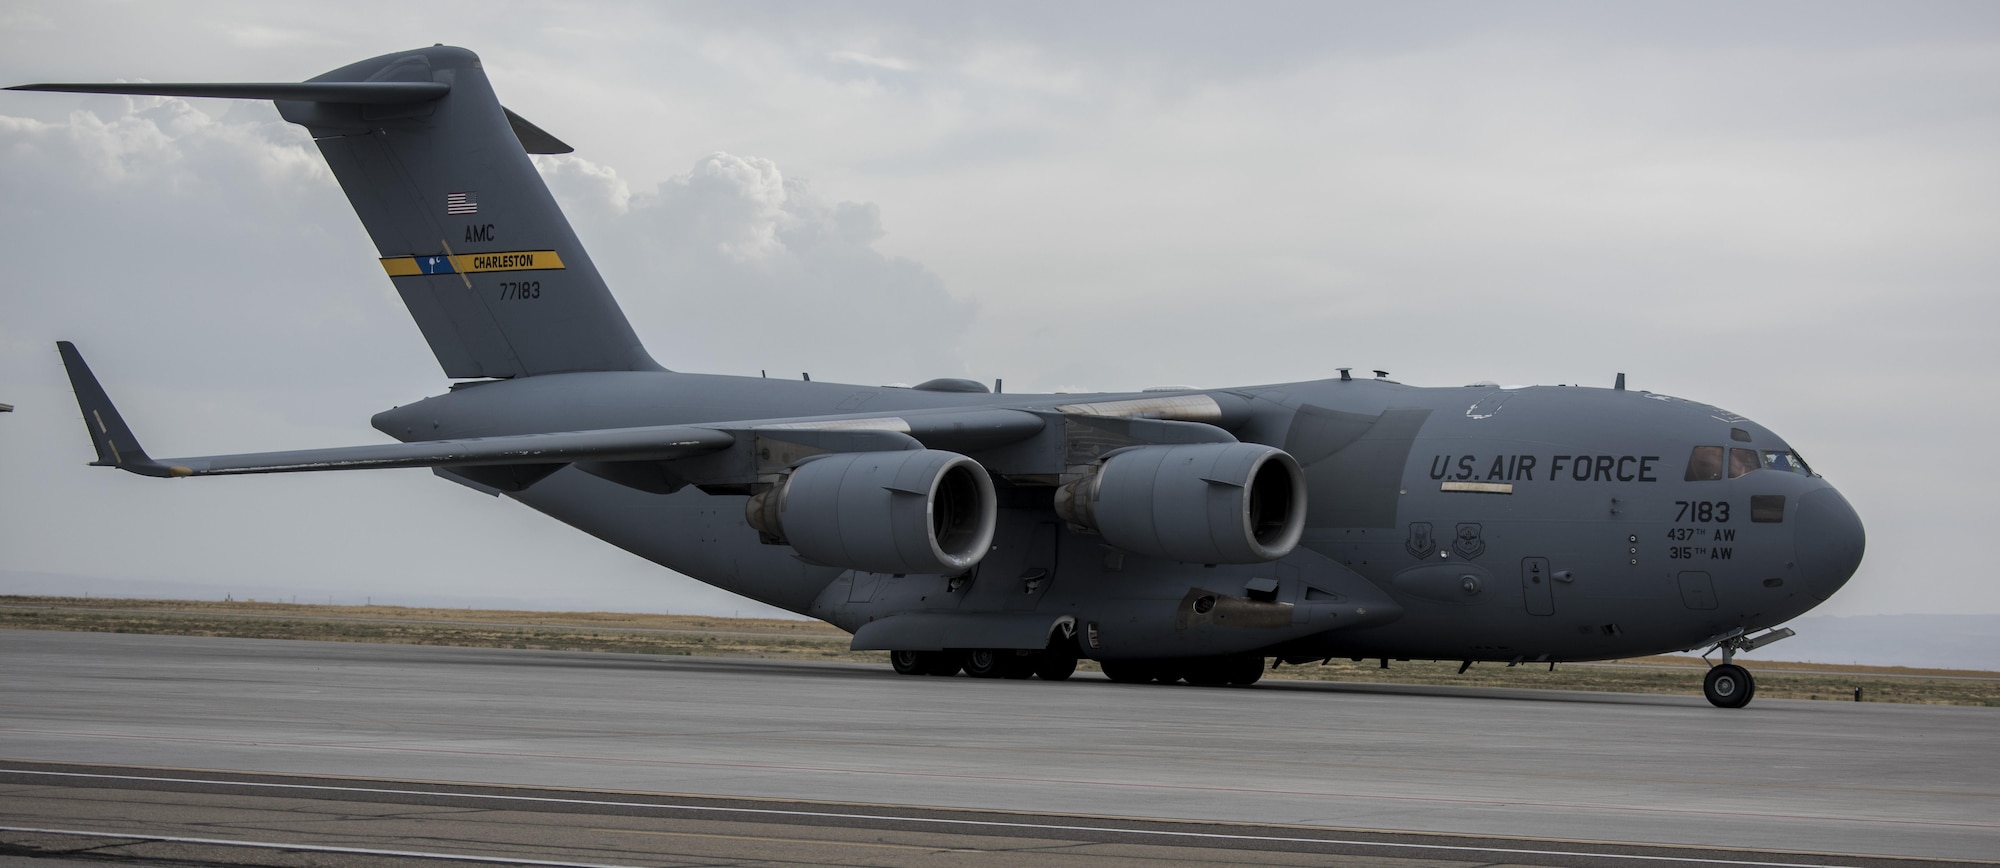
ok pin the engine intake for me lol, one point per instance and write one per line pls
(1202, 503)
(922, 511)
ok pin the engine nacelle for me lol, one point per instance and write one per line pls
(922, 511)
(1200, 503)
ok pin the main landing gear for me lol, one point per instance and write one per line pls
(1241, 670)
(1728, 685)
(1049, 665)
(1058, 663)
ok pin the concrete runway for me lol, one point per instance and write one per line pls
(1526, 775)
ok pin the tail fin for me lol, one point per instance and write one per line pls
(438, 172)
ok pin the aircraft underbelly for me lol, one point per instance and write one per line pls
(1121, 605)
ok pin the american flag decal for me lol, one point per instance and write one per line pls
(461, 203)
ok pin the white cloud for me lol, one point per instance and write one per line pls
(733, 267)
(251, 35)
(860, 58)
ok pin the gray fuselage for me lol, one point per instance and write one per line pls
(1474, 523)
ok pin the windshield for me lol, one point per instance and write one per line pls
(1789, 462)
(1742, 461)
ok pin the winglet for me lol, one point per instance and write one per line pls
(116, 446)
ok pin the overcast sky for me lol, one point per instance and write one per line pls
(1791, 210)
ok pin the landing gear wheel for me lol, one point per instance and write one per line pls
(984, 662)
(1728, 686)
(1212, 672)
(1129, 671)
(1244, 670)
(1052, 666)
(1016, 666)
(907, 662)
(942, 663)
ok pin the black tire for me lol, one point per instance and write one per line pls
(907, 662)
(1129, 671)
(1052, 666)
(1728, 686)
(1209, 672)
(943, 664)
(986, 662)
(1016, 666)
(1245, 669)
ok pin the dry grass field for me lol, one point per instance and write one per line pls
(757, 637)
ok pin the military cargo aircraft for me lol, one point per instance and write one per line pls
(1184, 534)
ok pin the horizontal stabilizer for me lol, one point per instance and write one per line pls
(353, 92)
(534, 139)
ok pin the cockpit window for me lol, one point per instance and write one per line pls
(1790, 462)
(1705, 465)
(1742, 461)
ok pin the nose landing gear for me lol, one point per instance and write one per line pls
(1728, 685)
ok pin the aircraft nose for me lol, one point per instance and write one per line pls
(1829, 541)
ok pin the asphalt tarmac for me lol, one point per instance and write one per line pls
(257, 752)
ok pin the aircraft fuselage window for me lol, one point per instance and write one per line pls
(1705, 465)
(1767, 508)
(1742, 461)
(1790, 462)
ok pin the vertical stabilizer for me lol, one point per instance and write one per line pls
(439, 174)
(467, 230)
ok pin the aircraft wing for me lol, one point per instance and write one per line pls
(118, 447)
(531, 456)
(1016, 442)
(621, 444)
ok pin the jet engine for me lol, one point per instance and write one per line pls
(922, 511)
(1202, 503)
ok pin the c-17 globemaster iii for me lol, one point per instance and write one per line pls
(1181, 534)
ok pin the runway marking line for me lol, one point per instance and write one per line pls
(1496, 801)
(815, 841)
(935, 821)
(317, 848)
